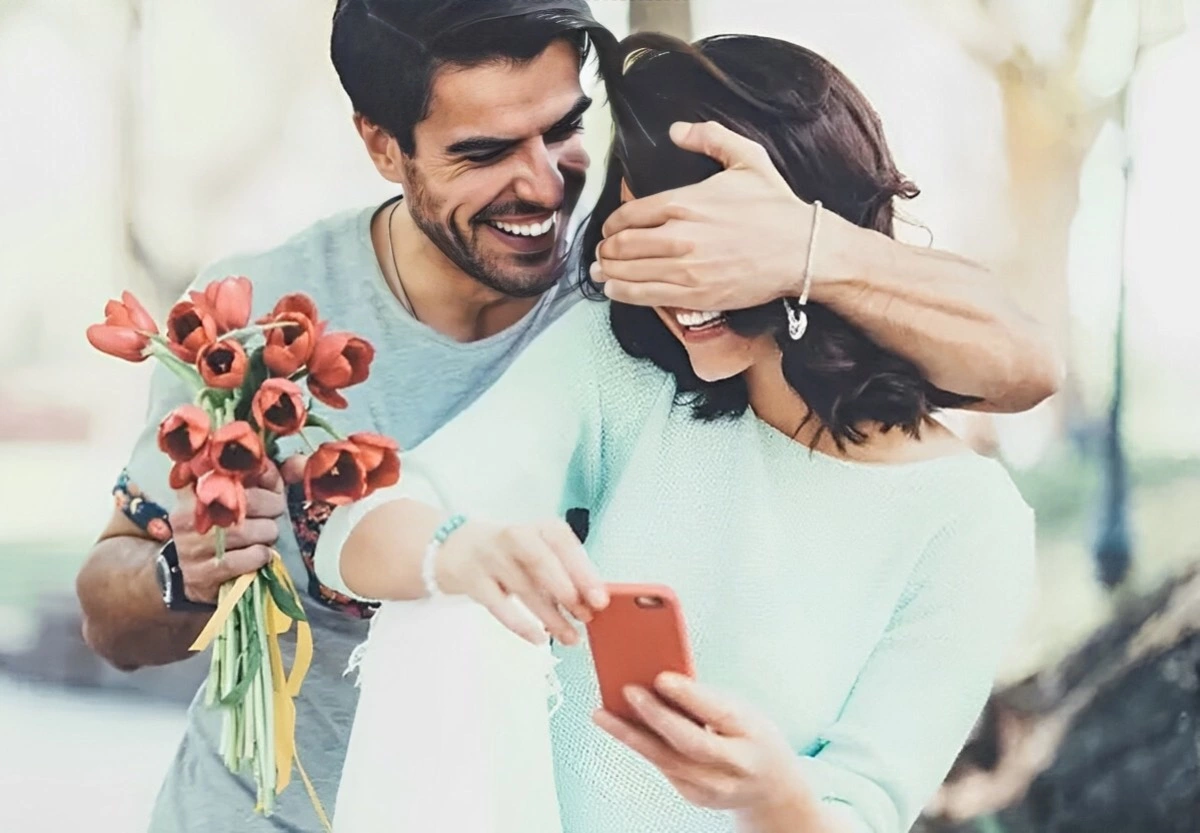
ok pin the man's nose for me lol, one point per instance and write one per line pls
(541, 181)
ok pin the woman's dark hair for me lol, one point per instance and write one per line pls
(827, 143)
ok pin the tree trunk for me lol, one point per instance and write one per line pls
(674, 17)
(1108, 740)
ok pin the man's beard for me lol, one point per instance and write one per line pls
(512, 281)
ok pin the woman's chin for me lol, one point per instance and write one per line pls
(716, 373)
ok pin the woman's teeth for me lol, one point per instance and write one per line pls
(699, 320)
(527, 229)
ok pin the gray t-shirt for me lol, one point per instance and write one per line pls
(420, 380)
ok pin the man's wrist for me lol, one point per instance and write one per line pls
(171, 584)
(846, 256)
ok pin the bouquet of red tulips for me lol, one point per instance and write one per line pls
(245, 378)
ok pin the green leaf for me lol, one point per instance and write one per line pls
(249, 661)
(283, 599)
(256, 374)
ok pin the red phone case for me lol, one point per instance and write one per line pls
(638, 636)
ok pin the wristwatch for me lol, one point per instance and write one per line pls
(170, 582)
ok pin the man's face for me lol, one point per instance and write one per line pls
(498, 168)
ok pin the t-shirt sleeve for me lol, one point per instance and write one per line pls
(527, 450)
(918, 696)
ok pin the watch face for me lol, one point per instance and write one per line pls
(163, 574)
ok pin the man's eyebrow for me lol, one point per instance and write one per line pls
(493, 144)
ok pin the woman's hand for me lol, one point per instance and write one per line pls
(543, 565)
(719, 754)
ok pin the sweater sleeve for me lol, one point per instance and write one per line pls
(527, 450)
(920, 692)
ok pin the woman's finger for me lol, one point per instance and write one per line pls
(584, 577)
(540, 559)
(508, 612)
(711, 708)
(514, 580)
(679, 732)
(651, 748)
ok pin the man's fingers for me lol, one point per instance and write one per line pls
(251, 532)
(292, 469)
(269, 479)
(645, 243)
(718, 142)
(579, 567)
(261, 503)
(662, 270)
(646, 212)
(655, 294)
(202, 578)
(239, 562)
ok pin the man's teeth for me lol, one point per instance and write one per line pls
(697, 319)
(528, 229)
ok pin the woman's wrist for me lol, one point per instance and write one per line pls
(789, 806)
(455, 552)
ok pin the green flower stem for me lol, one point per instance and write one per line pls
(265, 704)
(247, 333)
(307, 441)
(173, 363)
(250, 720)
(318, 422)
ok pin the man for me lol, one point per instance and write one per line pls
(474, 110)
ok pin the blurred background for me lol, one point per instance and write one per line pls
(1054, 140)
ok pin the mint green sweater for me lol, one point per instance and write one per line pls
(863, 608)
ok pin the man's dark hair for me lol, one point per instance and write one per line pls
(388, 52)
(827, 143)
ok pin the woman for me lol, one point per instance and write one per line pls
(850, 572)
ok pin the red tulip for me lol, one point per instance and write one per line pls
(236, 450)
(228, 301)
(380, 458)
(223, 365)
(335, 474)
(298, 303)
(278, 406)
(126, 330)
(183, 433)
(339, 361)
(289, 348)
(190, 328)
(183, 475)
(220, 501)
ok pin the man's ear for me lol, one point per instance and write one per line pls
(383, 149)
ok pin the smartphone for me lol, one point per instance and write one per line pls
(638, 636)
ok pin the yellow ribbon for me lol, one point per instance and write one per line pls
(285, 687)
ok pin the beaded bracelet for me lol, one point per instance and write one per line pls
(429, 562)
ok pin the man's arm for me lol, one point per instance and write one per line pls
(946, 314)
(125, 620)
(740, 239)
